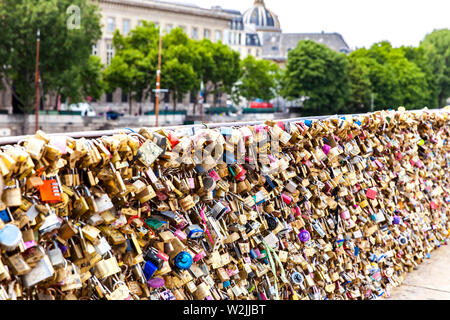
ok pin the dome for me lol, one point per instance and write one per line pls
(261, 17)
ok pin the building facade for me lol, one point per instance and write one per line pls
(255, 32)
(124, 15)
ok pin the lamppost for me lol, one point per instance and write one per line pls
(36, 80)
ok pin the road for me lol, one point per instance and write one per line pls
(431, 280)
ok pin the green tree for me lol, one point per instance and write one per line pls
(315, 71)
(361, 87)
(61, 48)
(81, 81)
(177, 71)
(437, 52)
(259, 79)
(133, 67)
(395, 81)
(219, 67)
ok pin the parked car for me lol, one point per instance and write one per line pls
(261, 105)
(113, 115)
(83, 107)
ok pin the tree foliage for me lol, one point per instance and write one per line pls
(259, 79)
(315, 71)
(436, 47)
(219, 66)
(177, 71)
(395, 80)
(133, 67)
(64, 52)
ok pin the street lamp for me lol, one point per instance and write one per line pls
(37, 81)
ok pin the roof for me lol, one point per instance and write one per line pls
(261, 17)
(183, 8)
(277, 45)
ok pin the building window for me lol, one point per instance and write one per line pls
(109, 97)
(239, 39)
(126, 26)
(183, 28)
(257, 52)
(156, 24)
(229, 37)
(234, 38)
(139, 23)
(206, 34)
(124, 97)
(218, 35)
(194, 33)
(192, 97)
(168, 28)
(111, 24)
(109, 53)
(249, 51)
(94, 49)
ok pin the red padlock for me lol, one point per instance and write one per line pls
(371, 194)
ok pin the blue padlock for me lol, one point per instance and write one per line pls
(308, 123)
(149, 270)
(226, 284)
(194, 231)
(253, 254)
(183, 260)
(5, 216)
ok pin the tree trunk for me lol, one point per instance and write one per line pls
(56, 100)
(215, 95)
(130, 104)
(174, 97)
(441, 98)
(195, 105)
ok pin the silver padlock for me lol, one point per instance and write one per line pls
(56, 257)
(291, 186)
(103, 247)
(272, 240)
(103, 203)
(42, 271)
(318, 228)
(51, 223)
(219, 210)
(95, 220)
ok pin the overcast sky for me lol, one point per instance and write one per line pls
(361, 22)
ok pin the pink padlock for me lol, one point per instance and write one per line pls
(271, 158)
(199, 256)
(345, 215)
(232, 272)
(326, 149)
(286, 198)
(378, 164)
(180, 234)
(297, 211)
(191, 183)
(29, 244)
(213, 174)
(162, 255)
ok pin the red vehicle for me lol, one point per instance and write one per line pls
(260, 105)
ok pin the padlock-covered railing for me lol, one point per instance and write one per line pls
(335, 207)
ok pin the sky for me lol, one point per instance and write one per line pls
(360, 22)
